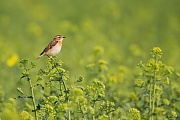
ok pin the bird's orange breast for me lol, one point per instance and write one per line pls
(60, 43)
(55, 49)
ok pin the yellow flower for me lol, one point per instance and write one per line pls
(26, 116)
(12, 60)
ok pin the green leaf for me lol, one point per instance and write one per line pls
(20, 90)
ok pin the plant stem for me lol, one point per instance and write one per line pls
(61, 80)
(33, 99)
(64, 85)
(154, 95)
(69, 115)
(154, 89)
(150, 105)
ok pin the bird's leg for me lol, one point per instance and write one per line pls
(50, 57)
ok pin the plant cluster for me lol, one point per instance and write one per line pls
(59, 101)
(154, 79)
(50, 97)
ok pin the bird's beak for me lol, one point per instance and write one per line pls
(64, 37)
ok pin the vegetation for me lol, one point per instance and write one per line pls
(103, 71)
(54, 99)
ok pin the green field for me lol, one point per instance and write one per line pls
(105, 41)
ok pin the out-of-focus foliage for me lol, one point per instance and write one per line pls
(50, 97)
(113, 35)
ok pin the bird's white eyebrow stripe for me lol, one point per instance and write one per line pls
(58, 36)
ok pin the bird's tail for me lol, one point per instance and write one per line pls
(38, 57)
(42, 54)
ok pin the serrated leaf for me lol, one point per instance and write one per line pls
(40, 86)
(22, 77)
(20, 90)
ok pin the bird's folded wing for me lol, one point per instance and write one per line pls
(50, 45)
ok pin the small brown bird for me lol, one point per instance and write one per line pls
(53, 47)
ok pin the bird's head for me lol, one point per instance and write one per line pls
(59, 38)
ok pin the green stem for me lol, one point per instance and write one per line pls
(61, 80)
(93, 105)
(150, 105)
(69, 115)
(60, 88)
(153, 100)
(64, 85)
(33, 99)
(154, 89)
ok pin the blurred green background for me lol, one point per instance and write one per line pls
(126, 30)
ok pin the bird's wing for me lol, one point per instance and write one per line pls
(50, 45)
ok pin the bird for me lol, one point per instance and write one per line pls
(53, 48)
